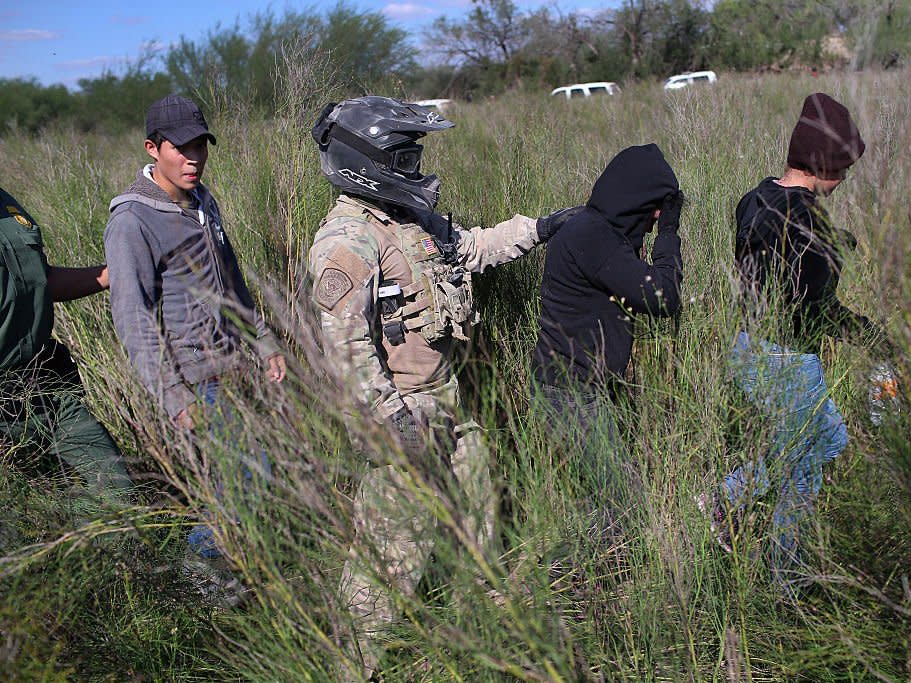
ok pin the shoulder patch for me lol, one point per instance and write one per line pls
(13, 210)
(341, 273)
(350, 263)
(333, 285)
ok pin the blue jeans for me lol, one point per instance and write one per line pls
(807, 432)
(224, 426)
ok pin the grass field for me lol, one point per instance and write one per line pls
(90, 594)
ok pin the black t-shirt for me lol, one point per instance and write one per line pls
(786, 244)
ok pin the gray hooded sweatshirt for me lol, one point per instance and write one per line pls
(179, 301)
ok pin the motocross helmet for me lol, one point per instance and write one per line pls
(368, 147)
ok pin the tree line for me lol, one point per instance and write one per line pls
(494, 47)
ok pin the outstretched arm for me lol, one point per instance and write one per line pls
(66, 284)
(481, 248)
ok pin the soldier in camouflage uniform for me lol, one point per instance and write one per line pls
(392, 280)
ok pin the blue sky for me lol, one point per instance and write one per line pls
(61, 41)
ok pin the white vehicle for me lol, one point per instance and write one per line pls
(587, 89)
(436, 104)
(683, 80)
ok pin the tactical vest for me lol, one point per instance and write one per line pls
(439, 302)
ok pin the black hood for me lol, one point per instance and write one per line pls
(631, 188)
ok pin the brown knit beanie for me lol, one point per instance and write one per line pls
(825, 140)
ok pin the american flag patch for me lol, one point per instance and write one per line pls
(429, 246)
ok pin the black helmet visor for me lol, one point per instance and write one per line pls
(406, 160)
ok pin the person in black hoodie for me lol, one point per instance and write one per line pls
(595, 281)
(788, 255)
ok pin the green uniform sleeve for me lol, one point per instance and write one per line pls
(26, 310)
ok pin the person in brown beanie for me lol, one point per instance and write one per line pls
(789, 257)
(824, 144)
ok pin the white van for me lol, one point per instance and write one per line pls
(440, 104)
(683, 80)
(586, 89)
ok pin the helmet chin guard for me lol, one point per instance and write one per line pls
(368, 147)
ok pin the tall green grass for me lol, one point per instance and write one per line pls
(102, 598)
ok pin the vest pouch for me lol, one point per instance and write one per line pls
(439, 302)
(390, 300)
(454, 305)
(394, 332)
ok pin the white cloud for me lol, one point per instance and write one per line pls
(407, 10)
(28, 34)
(147, 50)
(88, 63)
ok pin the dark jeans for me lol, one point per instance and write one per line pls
(583, 428)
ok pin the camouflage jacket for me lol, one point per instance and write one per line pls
(393, 295)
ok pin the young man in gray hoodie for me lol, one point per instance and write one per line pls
(178, 299)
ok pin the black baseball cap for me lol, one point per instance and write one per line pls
(177, 119)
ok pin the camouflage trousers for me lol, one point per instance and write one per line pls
(396, 525)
